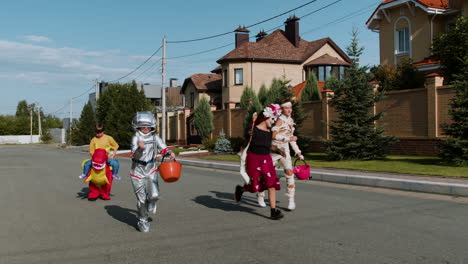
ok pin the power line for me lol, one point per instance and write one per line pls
(341, 19)
(201, 52)
(220, 47)
(255, 24)
(150, 67)
(126, 75)
(92, 87)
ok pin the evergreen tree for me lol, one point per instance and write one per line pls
(223, 145)
(116, 108)
(85, 129)
(311, 91)
(254, 107)
(455, 149)
(273, 95)
(203, 119)
(262, 94)
(247, 97)
(451, 48)
(355, 135)
(285, 93)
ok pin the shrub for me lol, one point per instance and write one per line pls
(209, 143)
(223, 145)
(46, 137)
(236, 143)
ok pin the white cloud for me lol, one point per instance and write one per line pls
(34, 38)
(20, 58)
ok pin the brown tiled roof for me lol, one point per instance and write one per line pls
(276, 47)
(204, 82)
(443, 4)
(327, 60)
(217, 69)
(427, 60)
(297, 90)
(440, 4)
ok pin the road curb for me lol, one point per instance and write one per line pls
(453, 189)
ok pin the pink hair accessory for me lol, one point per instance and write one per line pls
(273, 111)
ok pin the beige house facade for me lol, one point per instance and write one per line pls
(407, 28)
(281, 54)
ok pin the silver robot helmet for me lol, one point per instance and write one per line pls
(144, 119)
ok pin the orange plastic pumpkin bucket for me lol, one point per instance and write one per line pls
(170, 171)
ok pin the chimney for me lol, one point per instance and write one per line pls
(173, 82)
(242, 36)
(261, 35)
(292, 30)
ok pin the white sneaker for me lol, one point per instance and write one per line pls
(290, 195)
(292, 204)
(261, 199)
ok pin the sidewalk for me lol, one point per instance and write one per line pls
(405, 182)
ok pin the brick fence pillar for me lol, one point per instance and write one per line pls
(229, 105)
(183, 127)
(326, 94)
(433, 81)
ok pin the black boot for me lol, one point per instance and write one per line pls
(276, 214)
(238, 193)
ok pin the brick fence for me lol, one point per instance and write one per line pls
(414, 116)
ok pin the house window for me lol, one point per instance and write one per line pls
(238, 76)
(402, 36)
(225, 78)
(321, 74)
(403, 40)
(328, 70)
(324, 72)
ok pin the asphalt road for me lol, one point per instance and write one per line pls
(45, 218)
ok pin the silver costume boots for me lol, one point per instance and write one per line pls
(152, 207)
(143, 226)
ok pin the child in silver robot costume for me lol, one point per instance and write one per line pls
(283, 137)
(146, 145)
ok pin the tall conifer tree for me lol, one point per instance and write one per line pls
(203, 119)
(355, 135)
(311, 91)
(455, 149)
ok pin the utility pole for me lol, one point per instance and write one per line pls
(71, 120)
(163, 91)
(30, 122)
(39, 127)
(97, 90)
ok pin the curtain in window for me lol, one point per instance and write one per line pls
(239, 78)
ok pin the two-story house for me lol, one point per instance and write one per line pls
(281, 54)
(407, 28)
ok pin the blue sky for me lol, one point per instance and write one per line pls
(53, 50)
